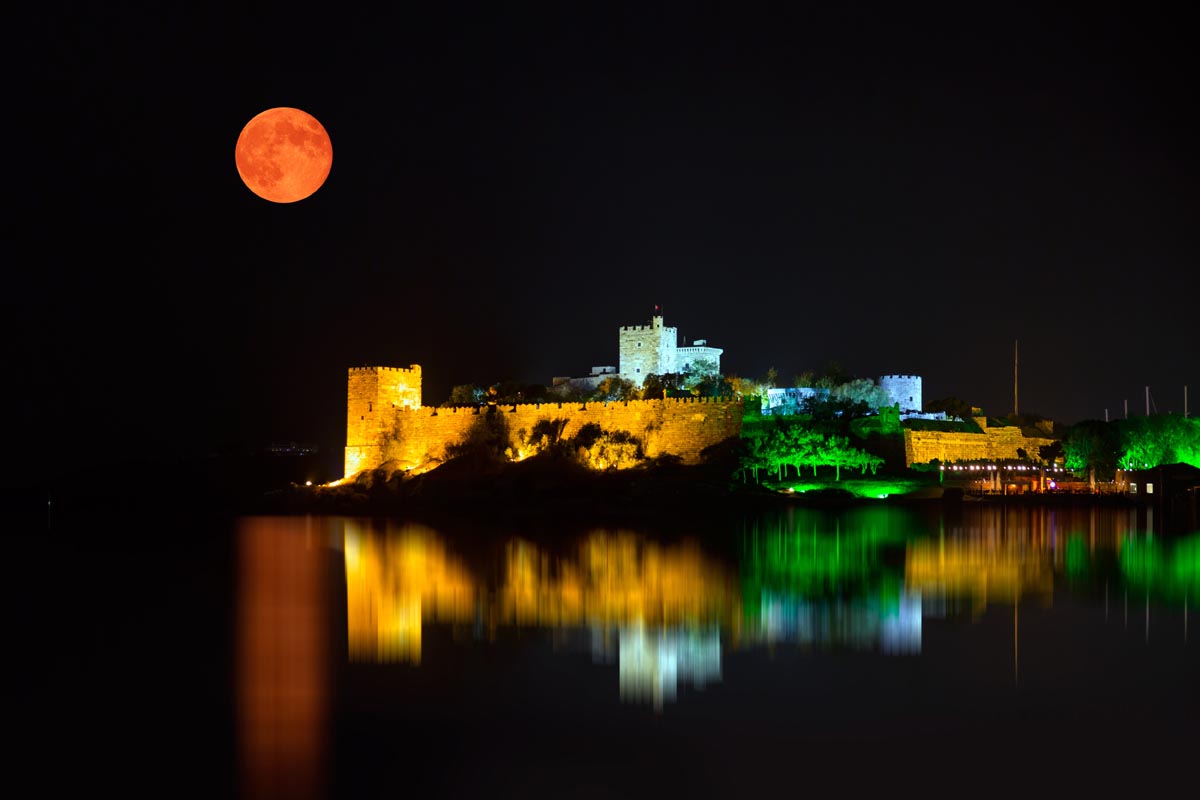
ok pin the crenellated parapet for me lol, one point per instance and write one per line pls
(380, 430)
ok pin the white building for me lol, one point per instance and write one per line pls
(654, 350)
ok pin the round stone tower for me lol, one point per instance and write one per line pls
(903, 389)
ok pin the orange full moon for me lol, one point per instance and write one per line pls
(283, 155)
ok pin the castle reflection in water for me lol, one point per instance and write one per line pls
(663, 612)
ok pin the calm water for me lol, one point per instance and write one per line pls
(887, 649)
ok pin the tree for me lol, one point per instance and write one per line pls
(713, 386)
(698, 370)
(861, 390)
(653, 388)
(570, 393)
(1092, 444)
(833, 374)
(953, 407)
(615, 388)
(545, 435)
(744, 387)
(507, 391)
(656, 387)
(1050, 452)
(823, 406)
(467, 394)
(804, 380)
(1159, 439)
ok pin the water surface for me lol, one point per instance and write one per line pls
(883, 648)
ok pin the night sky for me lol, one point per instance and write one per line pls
(906, 190)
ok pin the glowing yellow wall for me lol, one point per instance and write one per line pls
(372, 394)
(994, 444)
(385, 424)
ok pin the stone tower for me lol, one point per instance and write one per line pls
(647, 350)
(903, 389)
(372, 395)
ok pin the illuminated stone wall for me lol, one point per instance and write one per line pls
(372, 395)
(384, 425)
(994, 444)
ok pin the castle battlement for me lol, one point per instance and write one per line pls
(637, 328)
(385, 421)
(412, 369)
(569, 407)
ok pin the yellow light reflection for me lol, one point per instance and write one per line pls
(984, 570)
(395, 581)
(616, 578)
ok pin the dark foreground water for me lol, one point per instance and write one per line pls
(916, 651)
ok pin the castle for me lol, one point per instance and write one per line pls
(385, 421)
(654, 350)
(650, 350)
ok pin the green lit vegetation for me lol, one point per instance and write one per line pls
(831, 432)
(1169, 570)
(1135, 443)
(780, 446)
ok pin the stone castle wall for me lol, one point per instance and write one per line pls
(994, 444)
(372, 395)
(381, 427)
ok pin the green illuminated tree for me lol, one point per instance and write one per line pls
(1159, 439)
(835, 451)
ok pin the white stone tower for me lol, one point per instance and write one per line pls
(903, 389)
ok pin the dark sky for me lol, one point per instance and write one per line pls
(903, 188)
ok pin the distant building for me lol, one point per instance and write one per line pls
(1175, 488)
(292, 449)
(789, 400)
(587, 382)
(648, 350)
(903, 391)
